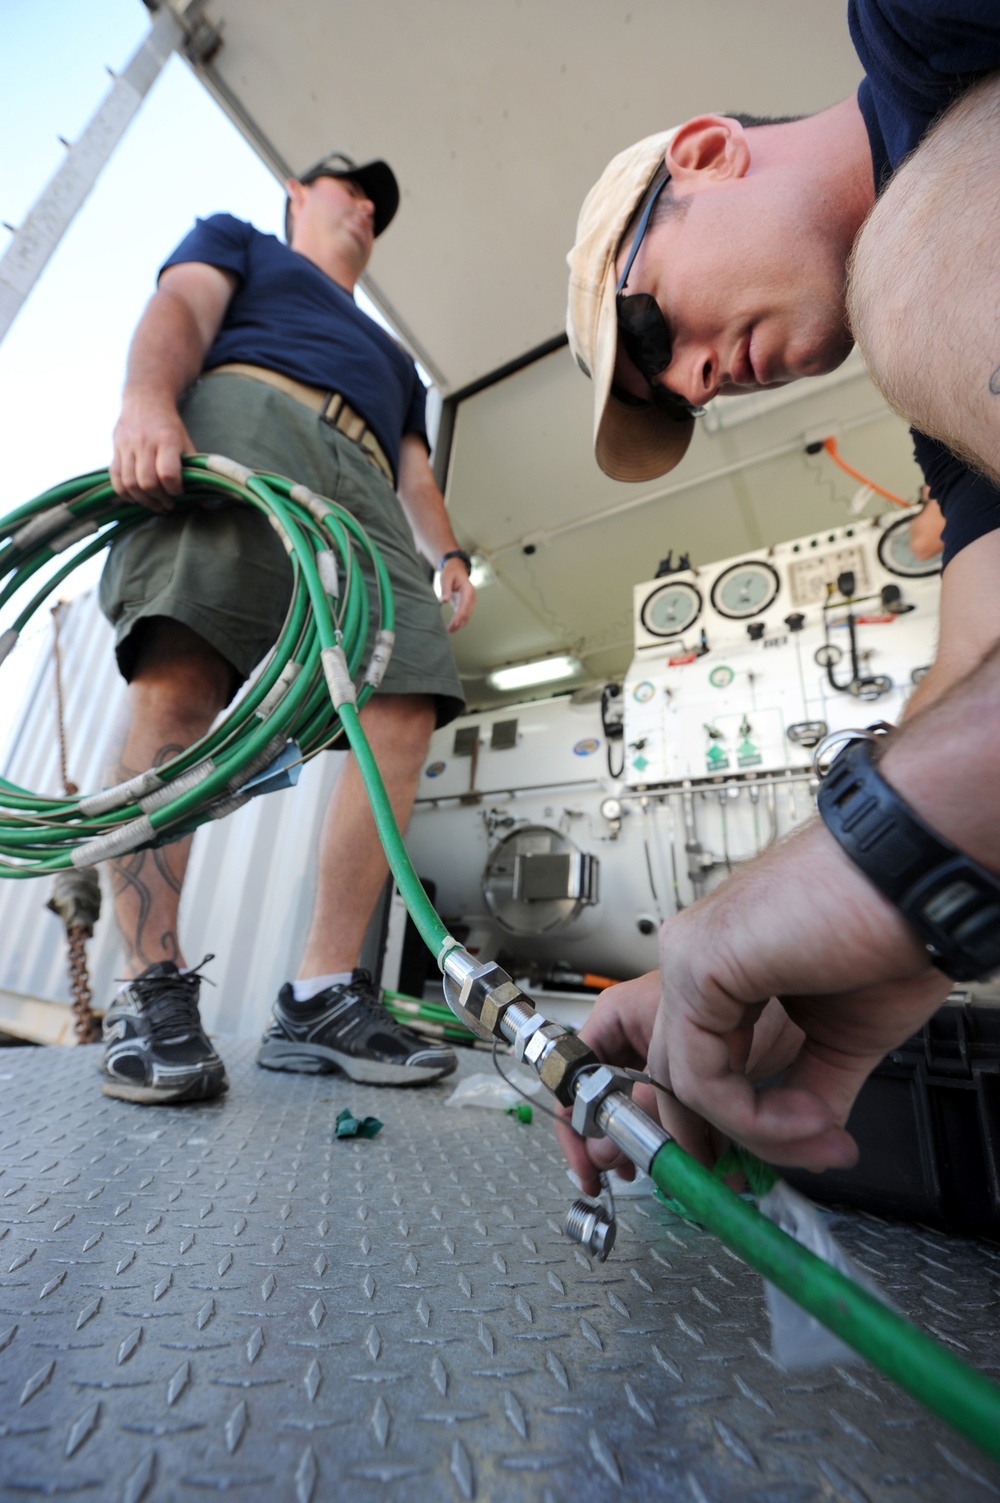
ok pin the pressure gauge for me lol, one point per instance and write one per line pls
(745, 589)
(896, 555)
(671, 609)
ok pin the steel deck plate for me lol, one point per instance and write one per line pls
(225, 1298)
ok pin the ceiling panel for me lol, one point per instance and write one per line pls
(498, 115)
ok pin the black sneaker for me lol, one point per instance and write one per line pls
(155, 1048)
(346, 1028)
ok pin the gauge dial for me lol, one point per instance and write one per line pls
(671, 609)
(745, 589)
(896, 555)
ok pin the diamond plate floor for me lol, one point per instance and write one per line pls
(223, 1298)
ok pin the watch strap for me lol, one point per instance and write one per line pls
(951, 901)
(456, 553)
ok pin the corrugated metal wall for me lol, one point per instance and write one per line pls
(249, 886)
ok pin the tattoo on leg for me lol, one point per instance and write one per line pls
(134, 879)
(127, 881)
(161, 860)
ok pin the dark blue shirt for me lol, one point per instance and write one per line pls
(919, 56)
(290, 317)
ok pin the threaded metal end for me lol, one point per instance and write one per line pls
(589, 1224)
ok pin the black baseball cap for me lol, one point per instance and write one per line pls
(376, 178)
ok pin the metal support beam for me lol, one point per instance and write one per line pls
(53, 212)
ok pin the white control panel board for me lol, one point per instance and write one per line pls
(738, 665)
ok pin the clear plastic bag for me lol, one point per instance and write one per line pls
(492, 1092)
(798, 1340)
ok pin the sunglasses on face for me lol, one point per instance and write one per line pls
(644, 334)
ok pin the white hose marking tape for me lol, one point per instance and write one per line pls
(379, 662)
(8, 641)
(338, 677)
(319, 507)
(224, 806)
(303, 495)
(42, 526)
(220, 465)
(326, 568)
(73, 535)
(289, 546)
(122, 794)
(263, 759)
(114, 843)
(278, 690)
(187, 780)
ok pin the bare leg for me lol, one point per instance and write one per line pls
(179, 686)
(925, 282)
(352, 866)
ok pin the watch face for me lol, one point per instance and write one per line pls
(671, 609)
(746, 589)
(896, 555)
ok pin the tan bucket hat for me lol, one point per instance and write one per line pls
(629, 443)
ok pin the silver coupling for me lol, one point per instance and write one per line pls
(590, 1089)
(588, 1223)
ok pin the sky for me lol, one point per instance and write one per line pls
(62, 362)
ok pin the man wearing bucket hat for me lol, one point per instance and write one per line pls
(257, 350)
(713, 259)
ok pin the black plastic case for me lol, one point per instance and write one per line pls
(927, 1123)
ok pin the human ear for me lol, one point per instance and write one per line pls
(708, 148)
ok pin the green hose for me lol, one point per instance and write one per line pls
(307, 694)
(329, 614)
(960, 1395)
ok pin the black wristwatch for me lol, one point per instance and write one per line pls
(951, 901)
(456, 553)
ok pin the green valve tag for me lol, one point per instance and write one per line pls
(716, 759)
(349, 1126)
(748, 755)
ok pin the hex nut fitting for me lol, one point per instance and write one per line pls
(540, 1042)
(496, 1003)
(525, 1033)
(561, 1065)
(591, 1089)
(486, 995)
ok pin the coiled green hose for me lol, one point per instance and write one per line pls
(306, 694)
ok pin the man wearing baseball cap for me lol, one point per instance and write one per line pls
(714, 258)
(257, 350)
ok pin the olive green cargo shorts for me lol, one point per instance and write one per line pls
(225, 574)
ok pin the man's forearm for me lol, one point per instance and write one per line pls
(166, 353)
(945, 761)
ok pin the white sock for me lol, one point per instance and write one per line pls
(304, 991)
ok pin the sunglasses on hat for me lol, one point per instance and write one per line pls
(644, 334)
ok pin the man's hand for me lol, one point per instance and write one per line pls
(149, 440)
(168, 347)
(803, 925)
(428, 518)
(457, 589)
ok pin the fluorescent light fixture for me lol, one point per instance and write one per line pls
(540, 671)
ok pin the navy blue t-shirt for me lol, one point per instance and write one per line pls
(290, 317)
(919, 55)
